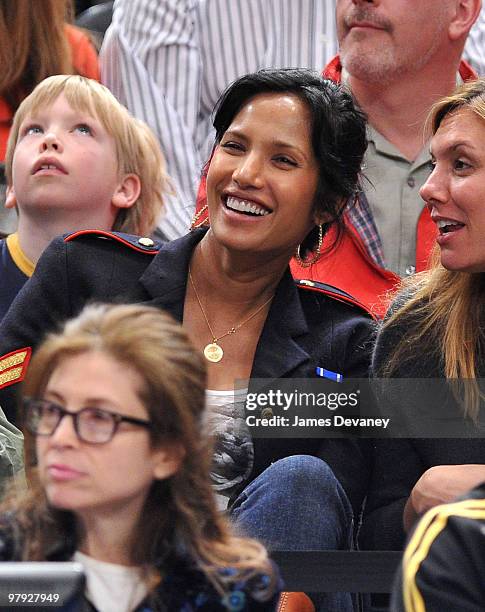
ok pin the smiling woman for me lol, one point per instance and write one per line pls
(288, 154)
(435, 330)
(264, 173)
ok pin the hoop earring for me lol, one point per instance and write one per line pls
(309, 262)
(197, 216)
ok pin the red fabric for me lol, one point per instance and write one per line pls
(13, 366)
(295, 602)
(333, 70)
(5, 119)
(135, 244)
(84, 55)
(85, 61)
(348, 266)
(426, 233)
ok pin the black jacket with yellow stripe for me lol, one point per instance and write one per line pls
(444, 561)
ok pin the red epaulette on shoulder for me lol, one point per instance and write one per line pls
(142, 244)
(13, 366)
(333, 292)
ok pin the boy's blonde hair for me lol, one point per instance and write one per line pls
(137, 149)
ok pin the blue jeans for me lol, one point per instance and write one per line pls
(298, 504)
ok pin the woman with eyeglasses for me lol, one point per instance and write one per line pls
(116, 408)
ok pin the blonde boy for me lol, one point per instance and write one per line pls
(76, 159)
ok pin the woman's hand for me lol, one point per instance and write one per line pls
(439, 485)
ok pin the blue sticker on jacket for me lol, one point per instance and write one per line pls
(335, 376)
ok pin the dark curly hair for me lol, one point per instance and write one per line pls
(338, 130)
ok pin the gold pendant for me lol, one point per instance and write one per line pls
(213, 352)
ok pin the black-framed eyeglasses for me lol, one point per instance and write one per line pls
(93, 425)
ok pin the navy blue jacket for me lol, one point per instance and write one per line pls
(399, 463)
(304, 329)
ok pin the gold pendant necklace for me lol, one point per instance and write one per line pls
(213, 351)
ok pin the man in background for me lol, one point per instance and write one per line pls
(398, 57)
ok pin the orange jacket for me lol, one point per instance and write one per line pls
(85, 61)
(348, 266)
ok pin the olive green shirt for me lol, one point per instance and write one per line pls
(393, 196)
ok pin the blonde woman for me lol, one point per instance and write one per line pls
(436, 330)
(115, 403)
(231, 286)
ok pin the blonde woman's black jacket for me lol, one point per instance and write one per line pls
(399, 463)
(303, 330)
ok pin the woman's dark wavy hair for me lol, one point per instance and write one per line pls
(338, 130)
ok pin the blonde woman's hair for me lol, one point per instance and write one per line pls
(180, 513)
(446, 306)
(33, 45)
(137, 149)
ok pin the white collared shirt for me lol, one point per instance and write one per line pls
(111, 587)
